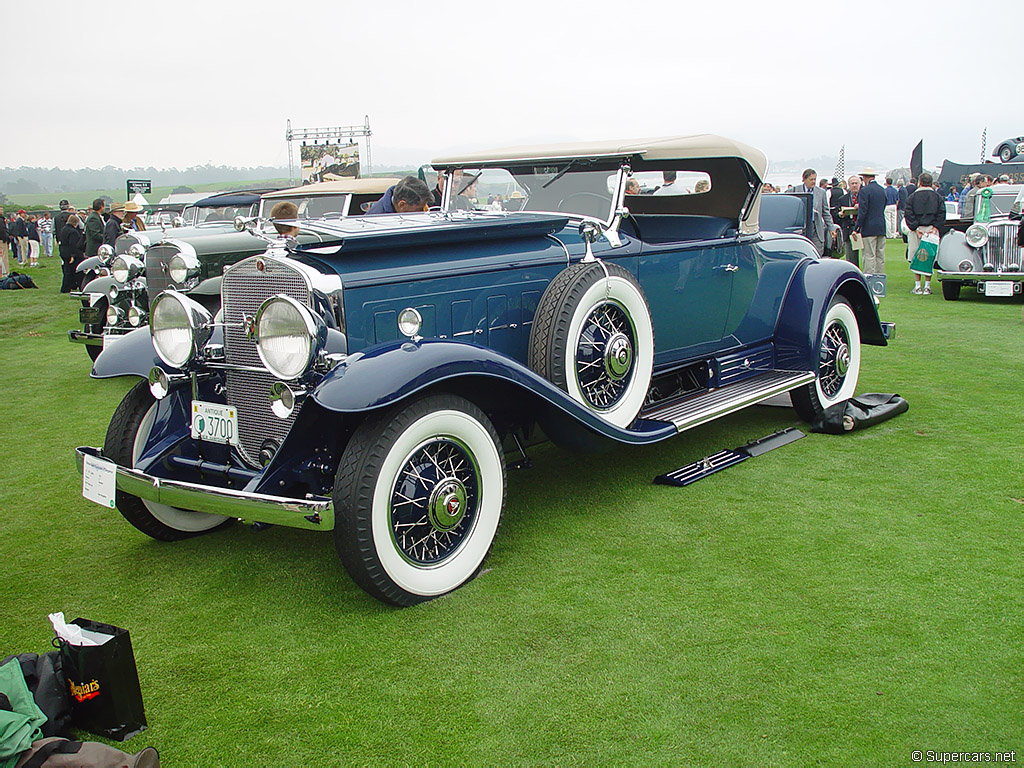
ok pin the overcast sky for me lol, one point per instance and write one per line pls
(188, 83)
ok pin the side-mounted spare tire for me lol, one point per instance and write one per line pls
(593, 338)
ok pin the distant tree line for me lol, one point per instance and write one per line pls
(29, 181)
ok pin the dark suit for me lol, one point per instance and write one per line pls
(847, 224)
(93, 233)
(871, 225)
(112, 231)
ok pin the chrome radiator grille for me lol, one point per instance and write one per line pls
(157, 279)
(1001, 250)
(243, 289)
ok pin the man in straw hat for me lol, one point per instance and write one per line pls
(871, 223)
(131, 216)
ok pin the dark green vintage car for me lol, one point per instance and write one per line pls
(192, 259)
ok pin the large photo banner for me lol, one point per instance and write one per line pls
(329, 162)
(958, 173)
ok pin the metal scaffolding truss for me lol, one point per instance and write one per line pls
(327, 135)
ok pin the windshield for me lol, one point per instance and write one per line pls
(565, 187)
(310, 207)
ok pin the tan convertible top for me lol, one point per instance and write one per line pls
(729, 191)
(372, 186)
(704, 145)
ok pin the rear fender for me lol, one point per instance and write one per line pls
(816, 284)
(389, 373)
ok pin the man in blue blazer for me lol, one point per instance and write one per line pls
(871, 224)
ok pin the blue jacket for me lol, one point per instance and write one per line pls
(892, 195)
(871, 210)
(384, 205)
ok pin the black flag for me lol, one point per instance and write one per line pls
(917, 160)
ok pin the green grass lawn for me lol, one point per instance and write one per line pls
(83, 200)
(842, 600)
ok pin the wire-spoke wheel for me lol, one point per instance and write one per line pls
(838, 363)
(418, 499)
(592, 337)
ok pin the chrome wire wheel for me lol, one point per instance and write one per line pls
(418, 498)
(838, 363)
(434, 501)
(834, 362)
(605, 354)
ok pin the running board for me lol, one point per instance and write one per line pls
(700, 409)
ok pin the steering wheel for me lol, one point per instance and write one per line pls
(577, 200)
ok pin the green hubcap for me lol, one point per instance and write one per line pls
(447, 504)
(618, 354)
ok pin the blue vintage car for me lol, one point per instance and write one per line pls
(375, 384)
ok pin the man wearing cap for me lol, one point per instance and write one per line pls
(94, 226)
(871, 223)
(114, 226)
(61, 219)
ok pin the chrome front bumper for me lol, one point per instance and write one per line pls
(315, 513)
(82, 337)
(979, 277)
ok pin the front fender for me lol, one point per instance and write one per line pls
(101, 285)
(816, 284)
(92, 263)
(132, 355)
(392, 372)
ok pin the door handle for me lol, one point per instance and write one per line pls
(726, 267)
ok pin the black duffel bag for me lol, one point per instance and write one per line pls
(44, 677)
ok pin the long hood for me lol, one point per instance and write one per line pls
(424, 229)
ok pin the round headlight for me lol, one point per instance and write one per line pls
(114, 315)
(135, 315)
(177, 269)
(119, 269)
(179, 327)
(409, 322)
(977, 235)
(138, 250)
(112, 292)
(105, 254)
(126, 268)
(287, 336)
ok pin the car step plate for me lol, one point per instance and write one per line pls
(716, 462)
(700, 409)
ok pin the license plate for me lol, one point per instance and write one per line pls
(214, 423)
(91, 315)
(998, 288)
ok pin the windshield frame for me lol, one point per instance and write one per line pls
(615, 204)
(264, 213)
